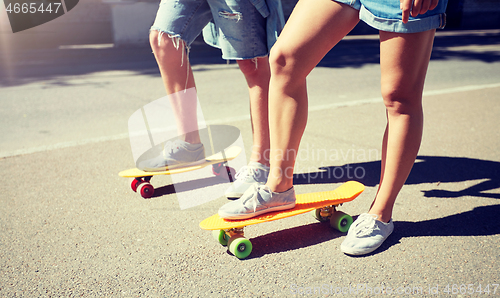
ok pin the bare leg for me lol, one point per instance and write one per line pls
(177, 77)
(314, 27)
(257, 75)
(403, 60)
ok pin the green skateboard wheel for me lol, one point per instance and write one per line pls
(341, 221)
(240, 247)
(220, 236)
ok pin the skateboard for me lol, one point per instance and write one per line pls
(322, 204)
(141, 182)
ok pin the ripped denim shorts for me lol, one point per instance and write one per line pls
(241, 29)
(386, 15)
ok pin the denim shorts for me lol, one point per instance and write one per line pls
(240, 27)
(385, 15)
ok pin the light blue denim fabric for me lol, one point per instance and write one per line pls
(272, 10)
(182, 19)
(238, 27)
(386, 15)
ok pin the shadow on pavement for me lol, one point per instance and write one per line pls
(481, 221)
(292, 239)
(27, 66)
(187, 186)
(358, 52)
(18, 67)
(427, 169)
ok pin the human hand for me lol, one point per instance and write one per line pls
(416, 7)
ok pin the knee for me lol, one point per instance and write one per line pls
(401, 101)
(286, 64)
(278, 59)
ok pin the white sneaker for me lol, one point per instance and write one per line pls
(255, 172)
(257, 200)
(365, 235)
(175, 154)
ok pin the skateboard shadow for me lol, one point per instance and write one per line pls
(481, 221)
(292, 239)
(187, 186)
(427, 169)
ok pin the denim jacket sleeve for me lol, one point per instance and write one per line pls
(272, 10)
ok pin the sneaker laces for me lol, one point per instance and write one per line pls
(365, 225)
(245, 172)
(254, 199)
(170, 147)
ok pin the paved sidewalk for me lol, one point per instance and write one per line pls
(70, 226)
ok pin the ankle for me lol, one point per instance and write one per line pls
(279, 187)
(191, 138)
(260, 161)
(383, 216)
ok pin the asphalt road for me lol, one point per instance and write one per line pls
(70, 226)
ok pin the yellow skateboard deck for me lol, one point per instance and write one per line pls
(141, 182)
(230, 232)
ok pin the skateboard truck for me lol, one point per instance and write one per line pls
(322, 205)
(338, 219)
(235, 240)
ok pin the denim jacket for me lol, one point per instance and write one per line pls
(272, 10)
